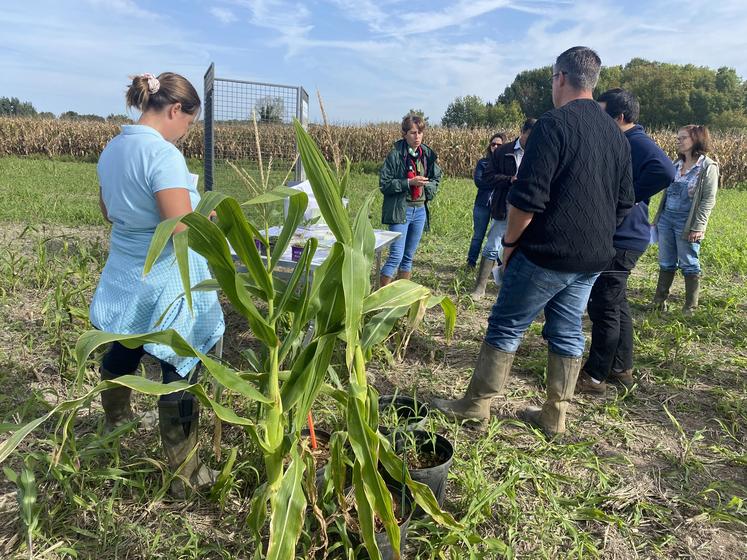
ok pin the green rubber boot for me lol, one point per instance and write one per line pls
(488, 379)
(483, 276)
(562, 374)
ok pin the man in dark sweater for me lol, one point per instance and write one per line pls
(573, 188)
(611, 353)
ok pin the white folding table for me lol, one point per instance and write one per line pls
(326, 239)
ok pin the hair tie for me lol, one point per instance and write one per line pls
(153, 84)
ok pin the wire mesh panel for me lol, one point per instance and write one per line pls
(234, 110)
(209, 153)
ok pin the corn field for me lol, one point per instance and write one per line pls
(458, 149)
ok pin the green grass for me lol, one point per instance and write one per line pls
(655, 473)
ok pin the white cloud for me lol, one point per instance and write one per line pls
(85, 67)
(539, 7)
(123, 7)
(670, 31)
(223, 15)
(466, 63)
(355, 51)
(370, 12)
(455, 15)
(291, 21)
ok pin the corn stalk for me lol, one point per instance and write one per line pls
(337, 298)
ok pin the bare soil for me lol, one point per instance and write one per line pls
(321, 453)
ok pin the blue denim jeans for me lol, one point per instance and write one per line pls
(674, 251)
(402, 250)
(493, 245)
(480, 221)
(527, 289)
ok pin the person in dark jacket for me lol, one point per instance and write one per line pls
(501, 172)
(573, 189)
(481, 209)
(611, 352)
(408, 180)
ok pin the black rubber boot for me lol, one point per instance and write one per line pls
(666, 277)
(178, 421)
(116, 403)
(692, 293)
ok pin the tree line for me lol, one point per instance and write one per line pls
(14, 107)
(670, 95)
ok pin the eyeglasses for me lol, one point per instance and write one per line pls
(557, 74)
(495, 144)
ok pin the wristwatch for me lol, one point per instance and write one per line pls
(508, 245)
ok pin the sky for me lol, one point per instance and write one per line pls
(371, 60)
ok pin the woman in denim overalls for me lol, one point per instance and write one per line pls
(683, 215)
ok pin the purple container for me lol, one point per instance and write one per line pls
(296, 253)
(260, 246)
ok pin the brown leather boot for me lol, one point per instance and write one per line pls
(404, 275)
(584, 384)
(562, 373)
(483, 275)
(624, 377)
(384, 280)
(178, 422)
(488, 379)
(666, 277)
(692, 293)
(116, 403)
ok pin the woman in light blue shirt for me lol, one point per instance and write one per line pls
(144, 179)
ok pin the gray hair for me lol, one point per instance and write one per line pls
(581, 67)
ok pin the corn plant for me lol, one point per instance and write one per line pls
(26, 484)
(336, 299)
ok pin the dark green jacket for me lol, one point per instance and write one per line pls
(393, 183)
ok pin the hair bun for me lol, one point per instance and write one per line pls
(149, 92)
(153, 84)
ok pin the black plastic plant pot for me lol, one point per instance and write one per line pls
(410, 414)
(438, 450)
(321, 437)
(382, 539)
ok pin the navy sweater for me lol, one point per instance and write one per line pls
(652, 172)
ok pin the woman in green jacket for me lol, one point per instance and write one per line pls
(408, 180)
(683, 215)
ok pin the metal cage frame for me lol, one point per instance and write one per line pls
(230, 100)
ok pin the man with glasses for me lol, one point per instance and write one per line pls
(501, 172)
(573, 188)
